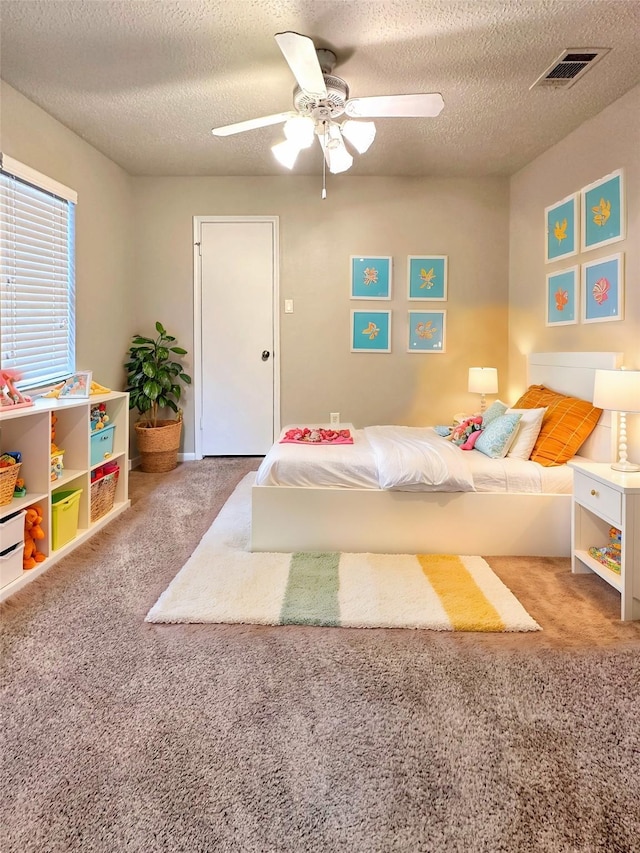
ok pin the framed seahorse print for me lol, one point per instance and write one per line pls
(603, 211)
(427, 277)
(561, 229)
(370, 277)
(371, 331)
(562, 297)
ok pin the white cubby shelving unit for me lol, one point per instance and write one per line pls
(28, 430)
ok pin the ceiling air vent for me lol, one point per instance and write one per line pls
(570, 66)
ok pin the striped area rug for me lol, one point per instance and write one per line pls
(223, 582)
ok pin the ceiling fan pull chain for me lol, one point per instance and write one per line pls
(324, 161)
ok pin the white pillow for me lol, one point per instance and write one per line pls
(529, 427)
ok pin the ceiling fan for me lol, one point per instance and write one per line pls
(320, 99)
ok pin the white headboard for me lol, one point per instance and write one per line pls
(573, 373)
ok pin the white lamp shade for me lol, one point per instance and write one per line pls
(483, 380)
(617, 390)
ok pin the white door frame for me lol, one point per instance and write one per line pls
(198, 221)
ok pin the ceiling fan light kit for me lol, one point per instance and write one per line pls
(319, 99)
(359, 133)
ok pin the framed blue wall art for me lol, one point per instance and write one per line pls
(427, 277)
(562, 297)
(602, 289)
(371, 331)
(427, 331)
(370, 277)
(603, 211)
(561, 228)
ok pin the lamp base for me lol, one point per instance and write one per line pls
(624, 465)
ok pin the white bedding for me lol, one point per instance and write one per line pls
(354, 466)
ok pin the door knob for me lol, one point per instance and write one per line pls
(265, 354)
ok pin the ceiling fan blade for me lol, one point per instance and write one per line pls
(300, 53)
(407, 106)
(250, 124)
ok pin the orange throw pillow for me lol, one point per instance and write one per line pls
(567, 424)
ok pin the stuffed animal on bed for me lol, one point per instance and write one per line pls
(465, 434)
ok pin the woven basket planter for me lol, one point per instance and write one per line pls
(158, 446)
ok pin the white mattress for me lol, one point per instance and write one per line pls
(352, 466)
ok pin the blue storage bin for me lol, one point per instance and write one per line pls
(102, 444)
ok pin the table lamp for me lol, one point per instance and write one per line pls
(483, 380)
(619, 391)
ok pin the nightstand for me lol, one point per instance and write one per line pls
(604, 498)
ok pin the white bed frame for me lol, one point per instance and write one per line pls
(376, 521)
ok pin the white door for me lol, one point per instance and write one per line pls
(238, 286)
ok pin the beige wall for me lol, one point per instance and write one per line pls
(464, 219)
(135, 264)
(104, 235)
(607, 142)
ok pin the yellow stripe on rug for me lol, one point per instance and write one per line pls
(465, 603)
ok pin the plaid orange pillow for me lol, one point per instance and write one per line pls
(567, 424)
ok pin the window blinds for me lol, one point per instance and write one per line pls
(37, 275)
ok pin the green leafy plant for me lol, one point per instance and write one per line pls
(154, 377)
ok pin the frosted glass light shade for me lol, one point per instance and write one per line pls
(300, 130)
(286, 153)
(359, 133)
(483, 380)
(335, 152)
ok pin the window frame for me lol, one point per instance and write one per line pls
(37, 275)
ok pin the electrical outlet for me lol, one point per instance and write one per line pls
(334, 418)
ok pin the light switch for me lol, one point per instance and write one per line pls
(288, 306)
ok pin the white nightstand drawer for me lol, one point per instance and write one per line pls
(603, 500)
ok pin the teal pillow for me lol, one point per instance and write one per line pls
(496, 438)
(494, 411)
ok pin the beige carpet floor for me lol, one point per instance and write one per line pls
(123, 735)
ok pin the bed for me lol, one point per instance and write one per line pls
(510, 509)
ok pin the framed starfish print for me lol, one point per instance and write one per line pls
(370, 277)
(561, 229)
(562, 297)
(603, 216)
(602, 289)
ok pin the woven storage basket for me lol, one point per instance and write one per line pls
(8, 477)
(103, 493)
(159, 446)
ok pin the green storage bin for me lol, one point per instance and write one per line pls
(65, 509)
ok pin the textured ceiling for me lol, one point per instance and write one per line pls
(144, 81)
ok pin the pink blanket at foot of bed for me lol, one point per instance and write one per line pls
(307, 435)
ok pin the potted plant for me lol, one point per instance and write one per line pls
(154, 382)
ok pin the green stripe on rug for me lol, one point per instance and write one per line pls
(467, 606)
(311, 596)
